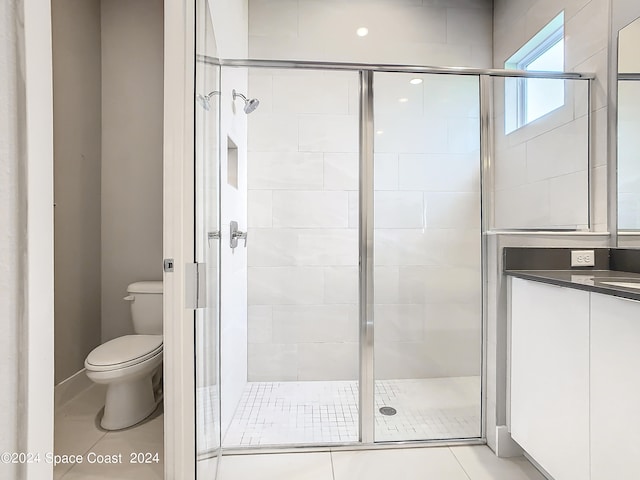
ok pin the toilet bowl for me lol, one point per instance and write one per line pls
(130, 365)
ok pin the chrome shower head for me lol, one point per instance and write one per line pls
(203, 100)
(249, 104)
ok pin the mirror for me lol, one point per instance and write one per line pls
(629, 127)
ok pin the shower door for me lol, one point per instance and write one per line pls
(363, 299)
(207, 243)
(427, 305)
(301, 378)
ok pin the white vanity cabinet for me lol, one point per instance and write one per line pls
(615, 388)
(549, 376)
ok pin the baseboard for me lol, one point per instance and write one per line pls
(70, 388)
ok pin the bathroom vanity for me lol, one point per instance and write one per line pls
(574, 336)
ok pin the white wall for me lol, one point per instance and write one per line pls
(77, 145)
(132, 100)
(303, 236)
(586, 41)
(26, 245)
(230, 21)
(303, 182)
(455, 33)
(12, 221)
(427, 244)
(541, 169)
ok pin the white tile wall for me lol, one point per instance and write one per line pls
(273, 132)
(452, 209)
(341, 171)
(260, 324)
(439, 173)
(328, 133)
(562, 149)
(531, 159)
(328, 361)
(286, 171)
(261, 212)
(286, 285)
(400, 31)
(426, 214)
(385, 171)
(303, 181)
(395, 247)
(399, 323)
(526, 205)
(386, 284)
(315, 323)
(273, 19)
(567, 194)
(341, 285)
(311, 92)
(272, 360)
(398, 209)
(439, 284)
(300, 246)
(310, 209)
(354, 205)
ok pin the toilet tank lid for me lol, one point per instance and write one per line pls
(145, 287)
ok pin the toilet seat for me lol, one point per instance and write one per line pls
(124, 352)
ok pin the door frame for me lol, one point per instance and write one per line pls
(178, 238)
(35, 359)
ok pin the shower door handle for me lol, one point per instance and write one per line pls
(236, 234)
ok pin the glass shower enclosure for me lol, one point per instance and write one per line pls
(364, 266)
(358, 308)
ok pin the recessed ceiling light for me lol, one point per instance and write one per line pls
(362, 31)
(380, 132)
(403, 100)
(415, 81)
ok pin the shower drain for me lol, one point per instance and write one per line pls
(388, 410)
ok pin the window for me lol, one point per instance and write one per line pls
(527, 99)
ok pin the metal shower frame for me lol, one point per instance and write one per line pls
(366, 192)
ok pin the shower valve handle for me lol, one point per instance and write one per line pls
(236, 234)
(241, 235)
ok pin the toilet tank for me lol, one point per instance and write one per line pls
(146, 307)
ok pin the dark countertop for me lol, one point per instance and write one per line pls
(589, 280)
(553, 266)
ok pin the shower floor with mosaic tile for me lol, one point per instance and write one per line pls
(324, 412)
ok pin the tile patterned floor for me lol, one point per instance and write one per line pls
(276, 413)
(433, 463)
(77, 432)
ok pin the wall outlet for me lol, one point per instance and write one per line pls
(583, 258)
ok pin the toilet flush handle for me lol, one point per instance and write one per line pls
(129, 298)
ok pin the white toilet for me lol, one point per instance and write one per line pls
(131, 366)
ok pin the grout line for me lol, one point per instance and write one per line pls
(84, 454)
(333, 471)
(459, 463)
